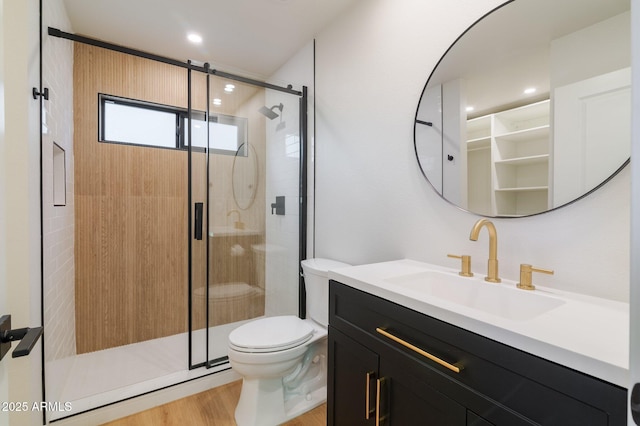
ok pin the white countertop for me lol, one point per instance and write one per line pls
(585, 333)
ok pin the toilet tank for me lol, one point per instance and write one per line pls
(317, 285)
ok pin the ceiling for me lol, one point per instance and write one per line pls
(249, 37)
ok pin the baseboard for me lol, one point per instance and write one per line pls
(153, 399)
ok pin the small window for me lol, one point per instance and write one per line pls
(133, 122)
(130, 122)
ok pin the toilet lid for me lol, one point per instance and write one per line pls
(271, 334)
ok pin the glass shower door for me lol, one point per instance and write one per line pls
(244, 207)
(130, 299)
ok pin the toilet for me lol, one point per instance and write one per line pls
(283, 359)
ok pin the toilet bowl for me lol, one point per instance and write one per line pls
(283, 359)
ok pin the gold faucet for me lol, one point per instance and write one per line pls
(465, 269)
(525, 276)
(239, 224)
(492, 266)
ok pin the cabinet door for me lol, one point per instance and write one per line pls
(351, 394)
(407, 397)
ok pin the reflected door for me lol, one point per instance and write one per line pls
(592, 111)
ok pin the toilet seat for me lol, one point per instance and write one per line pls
(271, 334)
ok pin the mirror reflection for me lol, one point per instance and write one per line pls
(529, 109)
(244, 176)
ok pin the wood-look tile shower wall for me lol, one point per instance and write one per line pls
(131, 208)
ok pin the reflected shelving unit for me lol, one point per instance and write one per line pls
(479, 186)
(508, 157)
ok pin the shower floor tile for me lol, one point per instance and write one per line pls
(100, 378)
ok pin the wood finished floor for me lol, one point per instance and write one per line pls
(214, 407)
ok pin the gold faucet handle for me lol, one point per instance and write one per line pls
(525, 276)
(466, 264)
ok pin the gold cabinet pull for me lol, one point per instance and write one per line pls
(453, 367)
(369, 410)
(380, 417)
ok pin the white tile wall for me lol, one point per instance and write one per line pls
(282, 179)
(282, 176)
(58, 225)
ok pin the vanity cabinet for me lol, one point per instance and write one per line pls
(392, 365)
(365, 386)
(508, 161)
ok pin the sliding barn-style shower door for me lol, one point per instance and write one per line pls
(244, 161)
(170, 216)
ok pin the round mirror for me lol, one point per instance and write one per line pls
(244, 176)
(530, 108)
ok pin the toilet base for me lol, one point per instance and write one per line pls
(269, 401)
(300, 405)
(260, 396)
(262, 403)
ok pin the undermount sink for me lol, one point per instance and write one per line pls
(503, 300)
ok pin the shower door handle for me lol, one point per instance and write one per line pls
(198, 222)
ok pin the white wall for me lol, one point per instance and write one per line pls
(21, 179)
(372, 203)
(4, 368)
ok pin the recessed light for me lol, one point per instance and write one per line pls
(529, 90)
(217, 101)
(194, 38)
(229, 87)
(469, 108)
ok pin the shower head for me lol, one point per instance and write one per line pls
(269, 112)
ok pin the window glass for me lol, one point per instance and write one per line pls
(226, 133)
(138, 125)
(136, 122)
(199, 136)
(224, 136)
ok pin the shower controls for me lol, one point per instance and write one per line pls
(27, 336)
(278, 206)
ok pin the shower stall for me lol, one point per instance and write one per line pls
(183, 216)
